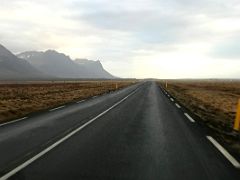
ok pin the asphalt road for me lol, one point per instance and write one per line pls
(135, 133)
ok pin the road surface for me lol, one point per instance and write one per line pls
(135, 133)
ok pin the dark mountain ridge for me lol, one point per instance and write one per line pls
(14, 68)
(60, 65)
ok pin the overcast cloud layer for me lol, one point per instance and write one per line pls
(137, 38)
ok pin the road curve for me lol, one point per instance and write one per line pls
(142, 135)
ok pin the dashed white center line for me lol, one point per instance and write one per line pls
(13, 121)
(168, 95)
(178, 106)
(189, 117)
(54, 109)
(232, 160)
(80, 101)
(171, 99)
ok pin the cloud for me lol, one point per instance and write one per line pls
(227, 49)
(150, 25)
(129, 35)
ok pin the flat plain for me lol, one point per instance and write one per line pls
(18, 99)
(214, 101)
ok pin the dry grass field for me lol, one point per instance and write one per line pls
(214, 101)
(17, 100)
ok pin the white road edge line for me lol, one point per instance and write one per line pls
(189, 117)
(178, 106)
(81, 101)
(34, 158)
(54, 109)
(172, 99)
(13, 121)
(229, 157)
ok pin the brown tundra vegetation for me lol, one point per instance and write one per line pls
(17, 100)
(214, 101)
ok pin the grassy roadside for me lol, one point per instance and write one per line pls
(213, 101)
(17, 100)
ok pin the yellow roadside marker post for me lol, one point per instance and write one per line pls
(166, 84)
(237, 119)
(116, 86)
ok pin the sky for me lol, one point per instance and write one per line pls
(132, 39)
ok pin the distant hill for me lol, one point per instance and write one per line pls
(60, 65)
(14, 68)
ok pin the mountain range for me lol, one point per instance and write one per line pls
(14, 68)
(48, 65)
